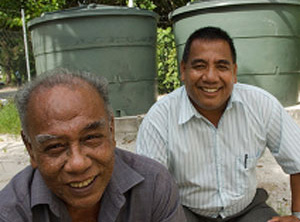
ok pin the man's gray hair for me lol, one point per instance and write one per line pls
(59, 76)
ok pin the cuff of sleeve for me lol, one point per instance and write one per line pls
(296, 214)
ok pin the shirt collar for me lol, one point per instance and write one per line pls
(123, 177)
(235, 96)
(187, 110)
(41, 194)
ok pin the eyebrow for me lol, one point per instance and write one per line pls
(223, 61)
(195, 61)
(95, 125)
(41, 138)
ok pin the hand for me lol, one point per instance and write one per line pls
(284, 219)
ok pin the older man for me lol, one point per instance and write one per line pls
(76, 173)
(211, 132)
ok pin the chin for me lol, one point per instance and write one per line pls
(84, 204)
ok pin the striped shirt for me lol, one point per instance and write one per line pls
(215, 168)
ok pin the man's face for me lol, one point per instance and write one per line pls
(71, 142)
(209, 75)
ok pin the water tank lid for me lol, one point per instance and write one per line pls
(91, 10)
(209, 4)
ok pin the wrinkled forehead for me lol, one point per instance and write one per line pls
(208, 45)
(210, 41)
(61, 101)
(61, 110)
(98, 124)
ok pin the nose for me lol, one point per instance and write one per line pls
(210, 75)
(77, 161)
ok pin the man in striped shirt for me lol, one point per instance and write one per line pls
(210, 133)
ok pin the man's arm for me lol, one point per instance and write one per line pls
(283, 139)
(295, 189)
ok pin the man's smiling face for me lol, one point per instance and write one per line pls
(71, 142)
(209, 74)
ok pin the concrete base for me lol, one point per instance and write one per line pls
(126, 129)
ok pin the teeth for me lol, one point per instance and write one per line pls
(82, 184)
(210, 90)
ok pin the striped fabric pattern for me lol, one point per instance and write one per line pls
(215, 168)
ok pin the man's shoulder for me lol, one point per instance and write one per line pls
(247, 88)
(168, 101)
(18, 186)
(165, 108)
(249, 93)
(149, 185)
(141, 164)
(150, 173)
(15, 196)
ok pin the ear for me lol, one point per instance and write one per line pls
(235, 73)
(29, 150)
(112, 130)
(182, 70)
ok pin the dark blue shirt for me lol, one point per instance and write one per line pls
(140, 190)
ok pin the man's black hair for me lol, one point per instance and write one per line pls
(208, 33)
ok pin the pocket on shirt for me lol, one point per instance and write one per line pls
(245, 174)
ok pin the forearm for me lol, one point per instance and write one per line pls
(295, 189)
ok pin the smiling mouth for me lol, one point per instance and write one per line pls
(82, 184)
(210, 90)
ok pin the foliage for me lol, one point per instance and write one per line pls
(167, 63)
(9, 120)
(11, 54)
(10, 19)
(145, 4)
(10, 11)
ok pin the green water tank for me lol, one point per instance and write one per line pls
(118, 43)
(266, 34)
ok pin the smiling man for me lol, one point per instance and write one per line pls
(211, 132)
(76, 173)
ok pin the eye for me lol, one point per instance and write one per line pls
(199, 66)
(92, 137)
(55, 148)
(92, 140)
(222, 67)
